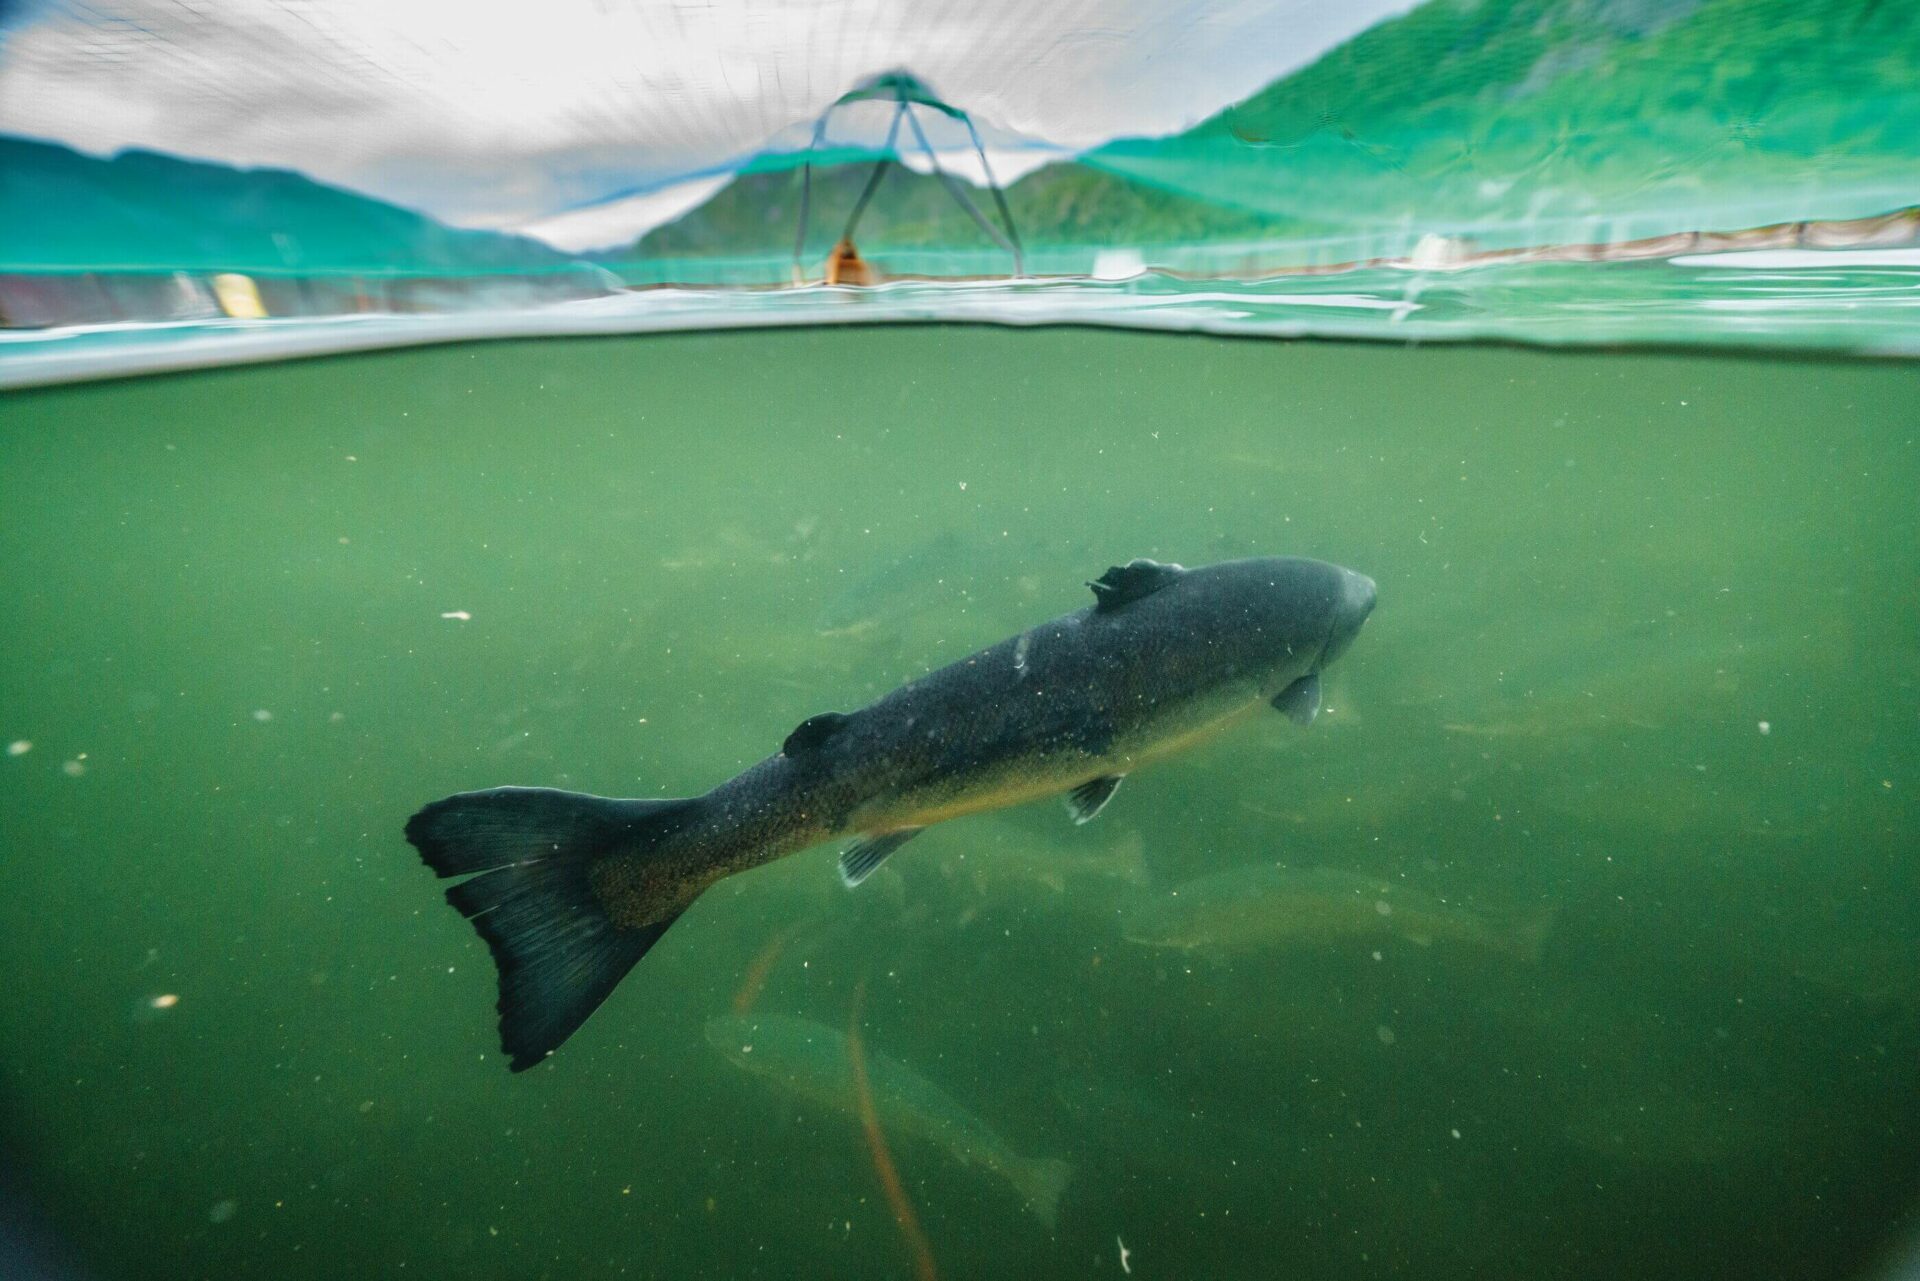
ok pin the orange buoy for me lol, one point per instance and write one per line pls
(845, 266)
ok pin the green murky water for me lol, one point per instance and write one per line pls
(1642, 676)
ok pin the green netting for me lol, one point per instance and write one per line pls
(1533, 123)
(1540, 122)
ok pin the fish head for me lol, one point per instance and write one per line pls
(1353, 603)
(1303, 613)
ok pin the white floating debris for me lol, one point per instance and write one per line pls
(1766, 727)
(262, 715)
(1385, 1034)
(222, 1211)
(74, 768)
(458, 615)
(1454, 1133)
(19, 747)
(1125, 1255)
(163, 1000)
(1383, 907)
(1119, 264)
(1438, 253)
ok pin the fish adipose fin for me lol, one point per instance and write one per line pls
(1123, 584)
(1088, 799)
(1300, 700)
(862, 858)
(558, 953)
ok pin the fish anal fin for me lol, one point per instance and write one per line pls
(1123, 584)
(1300, 700)
(862, 858)
(1088, 799)
(812, 732)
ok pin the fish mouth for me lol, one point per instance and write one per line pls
(1357, 596)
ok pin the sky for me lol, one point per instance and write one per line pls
(587, 121)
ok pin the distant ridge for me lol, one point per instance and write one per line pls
(67, 211)
(1064, 202)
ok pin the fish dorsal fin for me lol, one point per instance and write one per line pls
(1088, 799)
(1300, 700)
(1123, 584)
(812, 732)
(862, 858)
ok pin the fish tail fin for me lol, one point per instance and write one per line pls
(1526, 932)
(559, 954)
(1042, 1180)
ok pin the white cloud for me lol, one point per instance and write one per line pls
(490, 114)
(622, 220)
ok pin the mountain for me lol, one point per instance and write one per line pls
(1063, 203)
(67, 211)
(1513, 122)
(1546, 121)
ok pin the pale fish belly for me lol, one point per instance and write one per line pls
(1042, 774)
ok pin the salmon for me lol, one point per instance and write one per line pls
(570, 891)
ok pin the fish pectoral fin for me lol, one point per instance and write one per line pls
(1300, 700)
(812, 732)
(859, 860)
(1088, 799)
(1122, 584)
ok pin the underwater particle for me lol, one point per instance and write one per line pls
(222, 1211)
(152, 1008)
(1385, 1034)
(1766, 727)
(74, 768)
(1454, 1133)
(334, 718)
(262, 715)
(458, 615)
(1125, 1254)
(1383, 907)
(19, 747)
